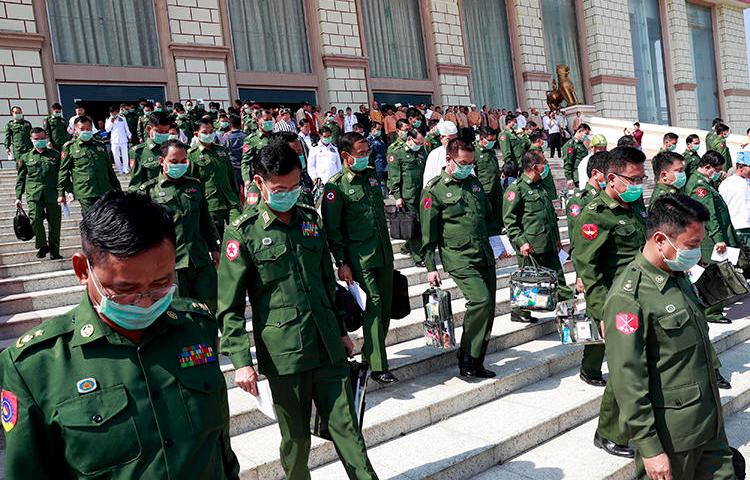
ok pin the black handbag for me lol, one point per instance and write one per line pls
(358, 376)
(403, 224)
(720, 283)
(348, 309)
(400, 306)
(22, 225)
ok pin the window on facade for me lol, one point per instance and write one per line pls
(702, 43)
(269, 36)
(648, 60)
(104, 32)
(561, 39)
(488, 45)
(393, 31)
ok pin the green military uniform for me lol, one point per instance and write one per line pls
(530, 218)
(56, 129)
(250, 126)
(251, 148)
(145, 160)
(286, 271)
(573, 152)
(607, 237)
(521, 145)
(132, 120)
(455, 218)
(405, 172)
(335, 131)
(196, 234)
(95, 404)
(86, 170)
(692, 160)
(660, 363)
(18, 137)
(718, 144)
(141, 129)
(396, 144)
(575, 206)
(488, 172)
(185, 123)
(507, 141)
(354, 219)
(661, 189)
(37, 177)
(548, 182)
(432, 141)
(210, 164)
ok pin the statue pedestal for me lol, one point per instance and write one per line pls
(587, 111)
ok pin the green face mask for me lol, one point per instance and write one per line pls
(302, 161)
(460, 172)
(490, 145)
(267, 125)
(545, 172)
(172, 136)
(417, 123)
(40, 143)
(18, 116)
(160, 138)
(716, 176)
(632, 193)
(283, 201)
(376, 133)
(360, 163)
(672, 147)
(207, 137)
(86, 136)
(223, 125)
(680, 178)
(57, 114)
(695, 147)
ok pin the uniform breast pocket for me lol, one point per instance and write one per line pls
(677, 332)
(282, 333)
(203, 394)
(271, 263)
(625, 230)
(97, 430)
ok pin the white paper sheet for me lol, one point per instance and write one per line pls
(563, 256)
(265, 400)
(501, 244)
(695, 273)
(359, 295)
(731, 254)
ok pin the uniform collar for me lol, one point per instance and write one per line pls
(609, 201)
(447, 178)
(528, 179)
(657, 275)
(267, 216)
(203, 147)
(592, 189)
(150, 144)
(701, 176)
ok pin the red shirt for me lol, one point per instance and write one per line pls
(638, 135)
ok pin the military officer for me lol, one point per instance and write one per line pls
(536, 142)
(131, 117)
(432, 139)
(144, 157)
(148, 109)
(402, 130)
(37, 177)
(331, 123)
(276, 254)
(86, 167)
(253, 144)
(405, 169)
(574, 151)
(609, 234)
(669, 172)
(56, 128)
(487, 171)
(659, 352)
(693, 144)
(718, 143)
(354, 219)
(127, 384)
(209, 163)
(531, 221)
(17, 135)
(184, 121)
(669, 142)
(197, 239)
(508, 140)
(455, 218)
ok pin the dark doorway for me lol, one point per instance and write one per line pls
(392, 98)
(98, 98)
(268, 98)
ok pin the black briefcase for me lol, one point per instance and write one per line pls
(721, 283)
(348, 309)
(22, 225)
(358, 375)
(403, 224)
(400, 306)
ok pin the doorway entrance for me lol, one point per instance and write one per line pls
(97, 99)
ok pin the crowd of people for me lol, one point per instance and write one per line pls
(273, 207)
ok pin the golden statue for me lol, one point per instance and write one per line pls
(563, 92)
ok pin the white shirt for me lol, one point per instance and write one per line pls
(435, 163)
(323, 162)
(118, 129)
(735, 191)
(349, 121)
(552, 125)
(545, 123)
(520, 121)
(583, 177)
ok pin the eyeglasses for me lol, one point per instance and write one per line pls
(633, 180)
(130, 298)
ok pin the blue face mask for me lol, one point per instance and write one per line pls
(130, 317)
(282, 201)
(680, 178)
(176, 170)
(160, 138)
(460, 172)
(672, 147)
(360, 163)
(490, 145)
(86, 136)
(632, 193)
(716, 176)
(267, 125)
(602, 185)
(207, 138)
(302, 161)
(545, 172)
(685, 259)
(417, 123)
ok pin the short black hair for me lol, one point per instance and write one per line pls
(716, 121)
(36, 130)
(672, 213)
(583, 127)
(56, 106)
(711, 158)
(620, 157)
(236, 121)
(721, 128)
(413, 133)
(598, 161)
(124, 224)
(159, 118)
(284, 137)
(637, 124)
(670, 136)
(401, 122)
(536, 135)
(509, 118)
(203, 121)
(348, 140)
(113, 108)
(531, 158)
(456, 145)
(276, 158)
(510, 169)
(164, 147)
(485, 132)
(324, 129)
(691, 138)
(358, 126)
(82, 119)
(627, 141)
(148, 104)
(664, 160)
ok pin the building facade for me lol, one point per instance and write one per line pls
(679, 62)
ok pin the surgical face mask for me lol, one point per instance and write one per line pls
(684, 260)
(417, 123)
(325, 140)
(248, 109)
(223, 124)
(158, 109)
(267, 125)
(282, 201)
(160, 138)
(602, 185)
(302, 161)
(173, 136)
(212, 110)
(584, 138)
(632, 193)
(545, 172)
(40, 143)
(330, 118)
(716, 176)
(85, 136)
(147, 113)
(460, 172)
(376, 133)
(18, 116)
(207, 138)
(360, 163)
(130, 317)
(176, 170)
(189, 107)
(490, 145)
(672, 147)
(695, 147)
(403, 134)
(680, 178)
(57, 114)
(414, 147)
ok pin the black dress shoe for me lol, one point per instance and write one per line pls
(419, 264)
(593, 381)
(722, 382)
(481, 372)
(465, 364)
(517, 317)
(384, 378)
(42, 252)
(723, 319)
(612, 448)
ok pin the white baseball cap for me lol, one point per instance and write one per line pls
(447, 128)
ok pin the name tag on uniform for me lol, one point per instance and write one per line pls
(198, 354)
(310, 229)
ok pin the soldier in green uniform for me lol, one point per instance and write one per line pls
(693, 144)
(354, 219)
(508, 139)
(536, 142)
(531, 221)
(184, 121)
(660, 354)
(609, 233)
(718, 143)
(487, 171)
(669, 172)
(86, 167)
(144, 157)
(250, 125)
(331, 123)
(669, 142)
(127, 384)
(276, 254)
(432, 139)
(574, 150)
(37, 177)
(143, 122)
(254, 144)
(56, 128)
(131, 117)
(405, 171)
(402, 130)
(17, 135)
(455, 217)
(522, 143)
(197, 239)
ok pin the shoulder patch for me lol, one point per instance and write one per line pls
(626, 322)
(9, 403)
(570, 150)
(232, 250)
(51, 329)
(590, 231)
(427, 203)
(701, 192)
(510, 196)
(331, 196)
(575, 210)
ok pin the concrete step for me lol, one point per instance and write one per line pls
(9, 261)
(8, 237)
(19, 246)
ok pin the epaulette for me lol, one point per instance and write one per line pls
(630, 280)
(191, 306)
(72, 140)
(336, 177)
(43, 333)
(148, 184)
(191, 178)
(139, 147)
(433, 182)
(193, 148)
(250, 212)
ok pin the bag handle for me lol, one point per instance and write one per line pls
(534, 263)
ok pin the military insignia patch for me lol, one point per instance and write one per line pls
(722, 145)
(86, 385)
(701, 192)
(331, 196)
(626, 322)
(589, 231)
(510, 196)
(9, 403)
(391, 159)
(252, 198)
(502, 137)
(245, 148)
(233, 250)
(191, 190)
(374, 182)
(198, 354)
(570, 150)
(427, 203)
(575, 210)
(310, 229)
(87, 330)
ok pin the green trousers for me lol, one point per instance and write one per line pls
(711, 461)
(378, 285)
(38, 211)
(495, 198)
(220, 219)
(478, 287)
(199, 283)
(609, 418)
(549, 260)
(328, 386)
(413, 246)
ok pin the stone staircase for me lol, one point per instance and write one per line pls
(431, 424)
